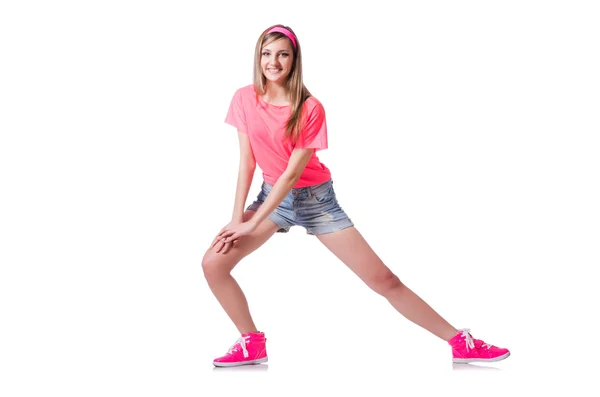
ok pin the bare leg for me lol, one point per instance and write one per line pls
(352, 249)
(234, 302)
(217, 270)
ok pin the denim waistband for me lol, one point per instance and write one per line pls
(306, 191)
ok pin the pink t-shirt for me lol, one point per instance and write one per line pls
(265, 125)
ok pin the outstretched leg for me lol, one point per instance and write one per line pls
(217, 271)
(352, 249)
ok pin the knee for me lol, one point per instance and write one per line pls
(386, 283)
(214, 267)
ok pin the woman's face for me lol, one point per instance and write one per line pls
(276, 60)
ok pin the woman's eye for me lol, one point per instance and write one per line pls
(285, 55)
(265, 54)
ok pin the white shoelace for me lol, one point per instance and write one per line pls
(469, 339)
(242, 342)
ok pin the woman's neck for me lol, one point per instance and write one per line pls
(276, 94)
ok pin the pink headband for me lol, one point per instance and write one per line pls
(285, 32)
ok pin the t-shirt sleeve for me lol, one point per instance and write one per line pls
(235, 114)
(314, 134)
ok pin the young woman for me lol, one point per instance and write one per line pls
(281, 126)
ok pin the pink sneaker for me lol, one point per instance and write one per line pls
(465, 349)
(250, 348)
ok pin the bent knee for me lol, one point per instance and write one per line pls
(385, 283)
(215, 265)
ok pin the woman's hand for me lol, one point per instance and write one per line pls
(233, 231)
(222, 246)
(229, 235)
(219, 241)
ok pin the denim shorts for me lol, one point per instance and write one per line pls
(313, 207)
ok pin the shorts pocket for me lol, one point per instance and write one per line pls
(325, 195)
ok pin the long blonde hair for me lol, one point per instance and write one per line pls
(296, 90)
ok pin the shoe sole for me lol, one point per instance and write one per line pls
(237, 364)
(482, 360)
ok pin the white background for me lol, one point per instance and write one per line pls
(462, 144)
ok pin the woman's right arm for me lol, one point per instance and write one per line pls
(245, 176)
